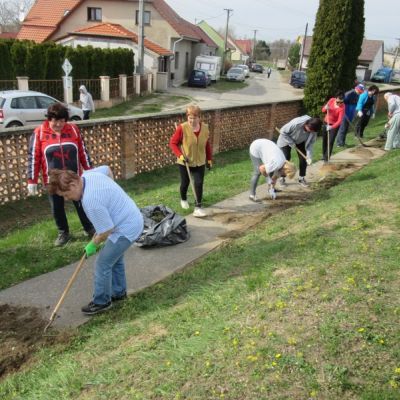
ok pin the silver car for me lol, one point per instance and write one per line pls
(19, 108)
(235, 74)
(245, 68)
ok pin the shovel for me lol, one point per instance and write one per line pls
(69, 284)
(355, 132)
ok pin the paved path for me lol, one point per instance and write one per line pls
(145, 267)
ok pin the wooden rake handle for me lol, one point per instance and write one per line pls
(69, 284)
(298, 150)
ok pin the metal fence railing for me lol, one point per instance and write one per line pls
(53, 88)
(114, 88)
(8, 85)
(130, 86)
(143, 84)
(93, 86)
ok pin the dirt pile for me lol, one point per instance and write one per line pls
(21, 335)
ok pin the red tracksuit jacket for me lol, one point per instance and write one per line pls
(49, 150)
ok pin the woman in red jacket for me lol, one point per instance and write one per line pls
(334, 110)
(191, 145)
(58, 144)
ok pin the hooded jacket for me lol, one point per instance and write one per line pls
(86, 99)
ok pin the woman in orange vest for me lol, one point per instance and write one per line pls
(190, 143)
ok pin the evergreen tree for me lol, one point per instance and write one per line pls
(294, 55)
(55, 60)
(6, 67)
(19, 53)
(36, 62)
(97, 63)
(353, 49)
(329, 49)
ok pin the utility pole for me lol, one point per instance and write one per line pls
(228, 13)
(254, 44)
(140, 64)
(394, 60)
(302, 48)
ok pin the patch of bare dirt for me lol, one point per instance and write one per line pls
(21, 335)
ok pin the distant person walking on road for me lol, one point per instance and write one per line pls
(393, 125)
(269, 70)
(190, 143)
(334, 110)
(350, 103)
(366, 108)
(300, 132)
(118, 223)
(86, 101)
(58, 144)
(268, 160)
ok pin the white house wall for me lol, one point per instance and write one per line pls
(181, 73)
(377, 61)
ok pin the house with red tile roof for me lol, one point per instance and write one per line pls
(246, 45)
(369, 61)
(175, 41)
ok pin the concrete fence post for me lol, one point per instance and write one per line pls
(123, 86)
(149, 83)
(23, 83)
(136, 77)
(105, 88)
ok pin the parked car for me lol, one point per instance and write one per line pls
(245, 68)
(235, 74)
(298, 79)
(200, 78)
(257, 68)
(382, 75)
(19, 108)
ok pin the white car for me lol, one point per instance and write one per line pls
(19, 108)
(235, 74)
(245, 68)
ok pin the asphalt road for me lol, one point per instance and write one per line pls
(260, 89)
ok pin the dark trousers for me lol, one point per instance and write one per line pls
(86, 114)
(198, 179)
(361, 124)
(58, 210)
(342, 133)
(287, 151)
(332, 137)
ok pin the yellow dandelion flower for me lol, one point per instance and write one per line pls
(279, 355)
(274, 364)
(397, 370)
(381, 341)
(361, 330)
(208, 363)
(168, 363)
(393, 384)
(197, 333)
(235, 341)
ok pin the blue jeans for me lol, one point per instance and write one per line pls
(109, 272)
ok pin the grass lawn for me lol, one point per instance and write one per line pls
(305, 306)
(222, 85)
(26, 244)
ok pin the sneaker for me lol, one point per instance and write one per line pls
(282, 181)
(120, 297)
(199, 212)
(93, 308)
(184, 204)
(254, 198)
(63, 238)
(303, 182)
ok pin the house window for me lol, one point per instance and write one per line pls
(94, 14)
(163, 64)
(146, 17)
(177, 60)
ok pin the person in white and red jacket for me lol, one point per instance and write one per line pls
(58, 144)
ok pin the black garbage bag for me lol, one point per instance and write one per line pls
(162, 227)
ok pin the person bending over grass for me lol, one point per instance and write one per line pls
(118, 223)
(268, 160)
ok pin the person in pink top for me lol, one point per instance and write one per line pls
(334, 110)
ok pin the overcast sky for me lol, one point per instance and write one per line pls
(275, 19)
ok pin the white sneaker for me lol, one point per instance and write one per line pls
(199, 212)
(282, 181)
(184, 204)
(253, 197)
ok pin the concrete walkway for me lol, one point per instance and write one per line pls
(145, 267)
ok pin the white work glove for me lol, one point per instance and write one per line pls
(32, 189)
(359, 114)
(308, 161)
(387, 125)
(328, 128)
(272, 193)
(373, 116)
